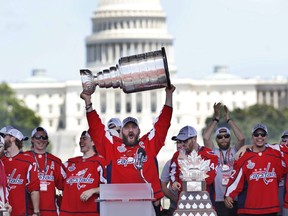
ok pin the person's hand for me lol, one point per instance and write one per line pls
(176, 186)
(226, 113)
(170, 89)
(88, 193)
(229, 202)
(8, 207)
(85, 96)
(217, 110)
(241, 151)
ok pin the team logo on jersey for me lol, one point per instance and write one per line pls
(264, 174)
(121, 148)
(14, 180)
(43, 176)
(80, 180)
(125, 161)
(72, 167)
(250, 165)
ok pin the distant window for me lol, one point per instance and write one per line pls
(128, 103)
(197, 106)
(37, 108)
(78, 107)
(153, 102)
(117, 102)
(50, 123)
(177, 105)
(139, 102)
(50, 108)
(103, 102)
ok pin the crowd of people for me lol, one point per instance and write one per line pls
(241, 179)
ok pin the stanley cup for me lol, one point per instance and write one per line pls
(134, 73)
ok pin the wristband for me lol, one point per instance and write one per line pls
(215, 119)
(88, 106)
(36, 213)
(228, 120)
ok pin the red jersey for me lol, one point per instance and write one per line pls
(206, 154)
(255, 180)
(284, 152)
(122, 158)
(3, 185)
(50, 171)
(21, 182)
(82, 174)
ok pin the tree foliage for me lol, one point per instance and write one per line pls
(14, 112)
(274, 119)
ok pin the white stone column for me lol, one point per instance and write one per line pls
(260, 97)
(275, 99)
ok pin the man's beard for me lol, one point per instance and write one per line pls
(7, 144)
(133, 143)
(224, 147)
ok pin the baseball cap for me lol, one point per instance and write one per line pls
(114, 121)
(185, 133)
(85, 133)
(5, 129)
(17, 134)
(285, 133)
(130, 119)
(260, 126)
(223, 130)
(35, 130)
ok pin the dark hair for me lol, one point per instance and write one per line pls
(19, 143)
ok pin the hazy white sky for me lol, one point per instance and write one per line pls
(248, 36)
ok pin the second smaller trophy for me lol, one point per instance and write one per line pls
(194, 199)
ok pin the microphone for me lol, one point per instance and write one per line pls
(140, 157)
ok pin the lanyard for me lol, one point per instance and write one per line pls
(37, 163)
(225, 159)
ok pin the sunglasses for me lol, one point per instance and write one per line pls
(41, 137)
(226, 136)
(284, 140)
(259, 134)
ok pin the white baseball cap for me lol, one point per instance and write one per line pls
(114, 121)
(185, 133)
(17, 134)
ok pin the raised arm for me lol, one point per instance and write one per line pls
(237, 132)
(87, 99)
(211, 126)
(169, 94)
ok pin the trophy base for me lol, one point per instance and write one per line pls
(194, 203)
(194, 200)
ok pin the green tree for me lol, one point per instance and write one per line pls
(14, 112)
(274, 119)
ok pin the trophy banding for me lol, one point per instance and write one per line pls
(194, 200)
(134, 73)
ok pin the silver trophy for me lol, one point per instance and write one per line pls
(134, 73)
(194, 171)
(194, 199)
